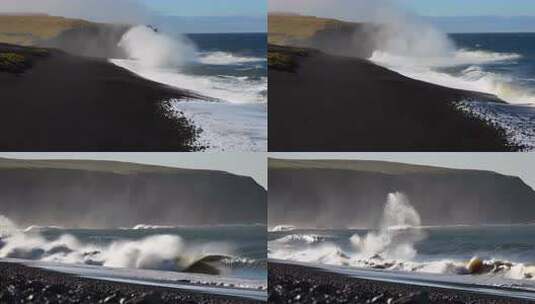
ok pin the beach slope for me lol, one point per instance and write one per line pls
(322, 102)
(54, 101)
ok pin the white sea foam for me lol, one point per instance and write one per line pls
(392, 247)
(280, 228)
(447, 59)
(237, 123)
(472, 78)
(224, 58)
(306, 238)
(152, 49)
(7, 227)
(150, 227)
(227, 88)
(518, 121)
(393, 239)
(159, 252)
(227, 126)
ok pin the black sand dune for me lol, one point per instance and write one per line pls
(297, 284)
(53, 101)
(21, 284)
(320, 102)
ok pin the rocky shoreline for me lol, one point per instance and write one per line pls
(22, 284)
(298, 284)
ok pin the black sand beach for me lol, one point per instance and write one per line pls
(21, 284)
(53, 101)
(297, 284)
(320, 102)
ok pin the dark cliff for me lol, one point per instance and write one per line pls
(75, 36)
(327, 35)
(93, 40)
(341, 194)
(112, 194)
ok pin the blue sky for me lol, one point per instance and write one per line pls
(208, 7)
(470, 7)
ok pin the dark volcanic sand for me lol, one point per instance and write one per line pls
(297, 284)
(69, 103)
(331, 103)
(21, 284)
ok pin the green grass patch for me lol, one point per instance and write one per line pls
(19, 59)
(281, 61)
(285, 58)
(13, 62)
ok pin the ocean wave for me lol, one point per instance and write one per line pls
(230, 89)
(475, 79)
(306, 238)
(223, 58)
(157, 252)
(518, 121)
(227, 126)
(7, 227)
(153, 49)
(40, 228)
(392, 247)
(472, 78)
(449, 59)
(166, 227)
(282, 228)
(148, 227)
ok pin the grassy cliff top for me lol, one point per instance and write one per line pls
(383, 167)
(28, 29)
(286, 27)
(90, 165)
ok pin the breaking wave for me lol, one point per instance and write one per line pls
(157, 252)
(472, 78)
(152, 49)
(224, 58)
(280, 228)
(306, 238)
(392, 246)
(231, 93)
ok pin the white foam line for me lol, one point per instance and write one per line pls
(427, 280)
(223, 58)
(518, 121)
(245, 288)
(227, 126)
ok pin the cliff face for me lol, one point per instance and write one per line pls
(78, 37)
(95, 40)
(327, 35)
(109, 194)
(353, 194)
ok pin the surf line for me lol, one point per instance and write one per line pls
(407, 278)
